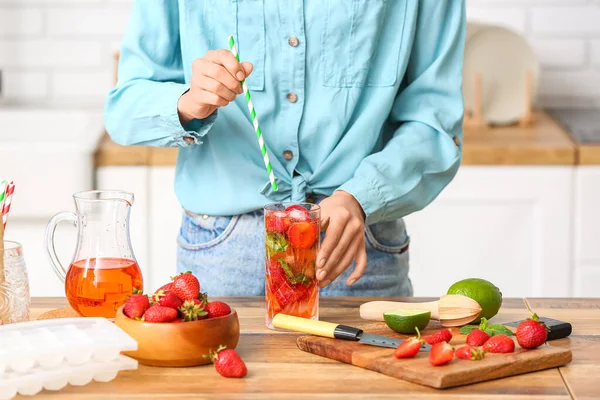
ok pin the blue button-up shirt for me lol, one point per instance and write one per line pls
(378, 103)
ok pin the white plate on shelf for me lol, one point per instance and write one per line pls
(502, 57)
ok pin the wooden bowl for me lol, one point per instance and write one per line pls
(179, 344)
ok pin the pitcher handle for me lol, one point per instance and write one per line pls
(59, 269)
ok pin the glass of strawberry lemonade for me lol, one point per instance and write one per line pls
(292, 240)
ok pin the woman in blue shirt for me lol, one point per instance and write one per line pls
(360, 105)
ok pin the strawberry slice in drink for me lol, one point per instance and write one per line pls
(285, 295)
(276, 274)
(302, 235)
(277, 221)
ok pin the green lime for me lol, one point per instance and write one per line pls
(405, 321)
(483, 292)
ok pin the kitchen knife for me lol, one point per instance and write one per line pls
(335, 331)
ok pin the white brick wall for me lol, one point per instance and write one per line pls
(565, 34)
(59, 52)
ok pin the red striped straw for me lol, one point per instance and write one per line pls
(10, 189)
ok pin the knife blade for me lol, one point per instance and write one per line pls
(336, 331)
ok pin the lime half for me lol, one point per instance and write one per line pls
(405, 321)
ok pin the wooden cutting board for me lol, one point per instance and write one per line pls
(419, 370)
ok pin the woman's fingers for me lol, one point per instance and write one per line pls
(345, 261)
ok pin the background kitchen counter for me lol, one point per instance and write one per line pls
(545, 143)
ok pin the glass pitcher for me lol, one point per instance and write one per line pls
(103, 271)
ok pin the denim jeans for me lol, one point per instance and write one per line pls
(227, 255)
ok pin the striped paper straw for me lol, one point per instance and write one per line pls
(2, 193)
(261, 142)
(10, 189)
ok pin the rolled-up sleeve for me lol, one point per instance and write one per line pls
(424, 154)
(142, 108)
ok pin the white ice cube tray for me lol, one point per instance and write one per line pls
(59, 342)
(33, 381)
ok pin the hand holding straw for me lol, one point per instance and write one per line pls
(261, 142)
(10, 189)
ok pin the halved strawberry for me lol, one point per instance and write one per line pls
(441, 353)
(410, 347)
(303, 234)
(277, 221)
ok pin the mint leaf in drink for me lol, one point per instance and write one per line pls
(286, 269)
(497, 329)
(276, 242)
(300, 279)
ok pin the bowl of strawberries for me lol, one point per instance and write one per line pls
(177, 326)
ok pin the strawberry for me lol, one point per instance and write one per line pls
(303, 234)
(499, 344)
(136, 306)
(277, 222)
(441, 353)
(477, 337)
(298, 213)
(285, 295)
(186, 286)
(166, 299)
(438, 337)
(469, 353)
(228, 363)
(410, 347)
(276, 274)
(176, 320)
(192, 310)
(166, 287)
(531, 333)
(160, 314)
(217, 309)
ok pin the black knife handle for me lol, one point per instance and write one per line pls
(347, 333)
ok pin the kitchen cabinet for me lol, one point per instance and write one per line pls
(586, 232)
(511, 225)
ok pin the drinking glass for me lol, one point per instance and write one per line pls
(292, 241)
(14, 285)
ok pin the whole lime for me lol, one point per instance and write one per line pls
(483, 292)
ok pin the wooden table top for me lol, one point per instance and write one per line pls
(278, 370)
(544, 143)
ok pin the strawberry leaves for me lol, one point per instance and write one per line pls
(492, 330)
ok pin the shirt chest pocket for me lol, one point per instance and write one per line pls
(245, 20)
(361, 42)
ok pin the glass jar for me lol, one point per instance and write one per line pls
(14, 285)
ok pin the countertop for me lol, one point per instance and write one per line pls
(278, 370)
(583, 124)
(544, 143)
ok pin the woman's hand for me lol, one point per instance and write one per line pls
(344, 241)
(215, 82)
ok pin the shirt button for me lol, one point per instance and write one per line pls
(456, 141)
(293, 41)
(188, 139)
(292, 97)
(288, 155)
